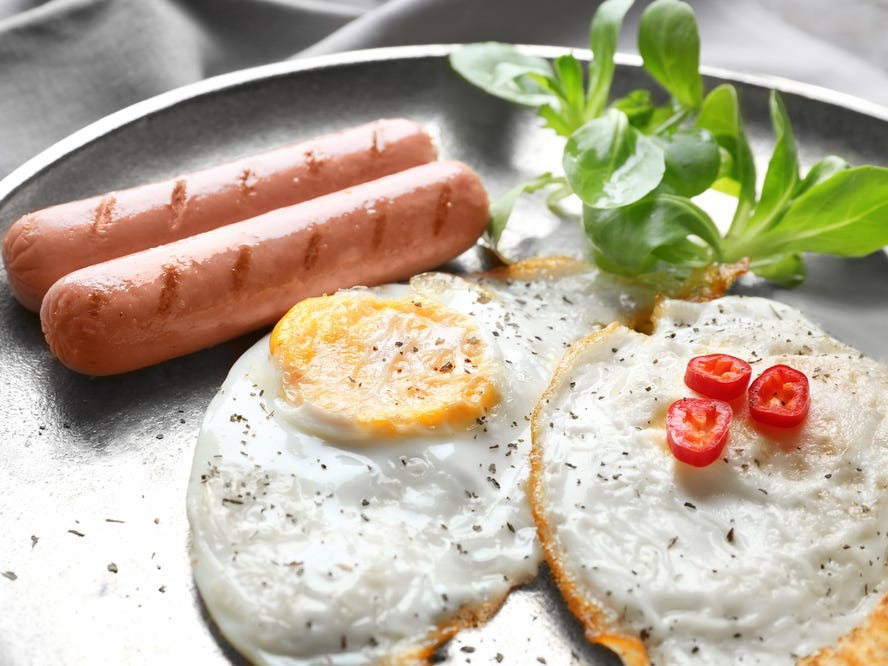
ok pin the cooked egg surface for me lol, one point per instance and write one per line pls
(358, 487)
(368, 366)
(767, 555)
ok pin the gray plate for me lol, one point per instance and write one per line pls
(93, 471)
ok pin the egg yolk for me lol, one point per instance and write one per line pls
(387, 367)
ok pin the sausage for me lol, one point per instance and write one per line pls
(144, 308)
(42, 246)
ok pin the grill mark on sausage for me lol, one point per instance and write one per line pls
(374, 147)
(177, 202)
(97, 300)
(247, 182)
(104, 215)
(28, 225)
(442, 210)
(241, 267)
(379, 224)
(313, 162)
(312, 251)
(172, 278)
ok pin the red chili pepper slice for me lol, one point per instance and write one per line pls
(719, 376)
(697, 429)
(780, 397)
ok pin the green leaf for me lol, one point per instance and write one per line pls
(603, 36)
(553, 201)
(570, 76)
(845, 215)
(631, 240)
(723, 182)
(823, 170)
(568, 88)
(670, 47)
(787, 270)
(609, 163)
(662, 118)
(501, 207)
(637, 106)
(692, 161)
(684, 253)
(720, 115)
(782, 176)
(501, 69)
(555, 120)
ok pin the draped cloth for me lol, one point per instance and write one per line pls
(66, 63)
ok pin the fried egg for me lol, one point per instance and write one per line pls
(767, 556)
(358, 491)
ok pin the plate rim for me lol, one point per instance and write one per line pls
(117, 119)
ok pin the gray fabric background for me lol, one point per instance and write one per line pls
(65, 63)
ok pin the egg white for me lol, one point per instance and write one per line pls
(771, 553)
(308, 550)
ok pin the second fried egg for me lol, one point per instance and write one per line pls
(773, 552)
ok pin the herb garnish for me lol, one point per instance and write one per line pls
(636, 164)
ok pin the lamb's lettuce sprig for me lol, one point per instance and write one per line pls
(636, 164)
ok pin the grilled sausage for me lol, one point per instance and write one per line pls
(41, 247)
(137, 310)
